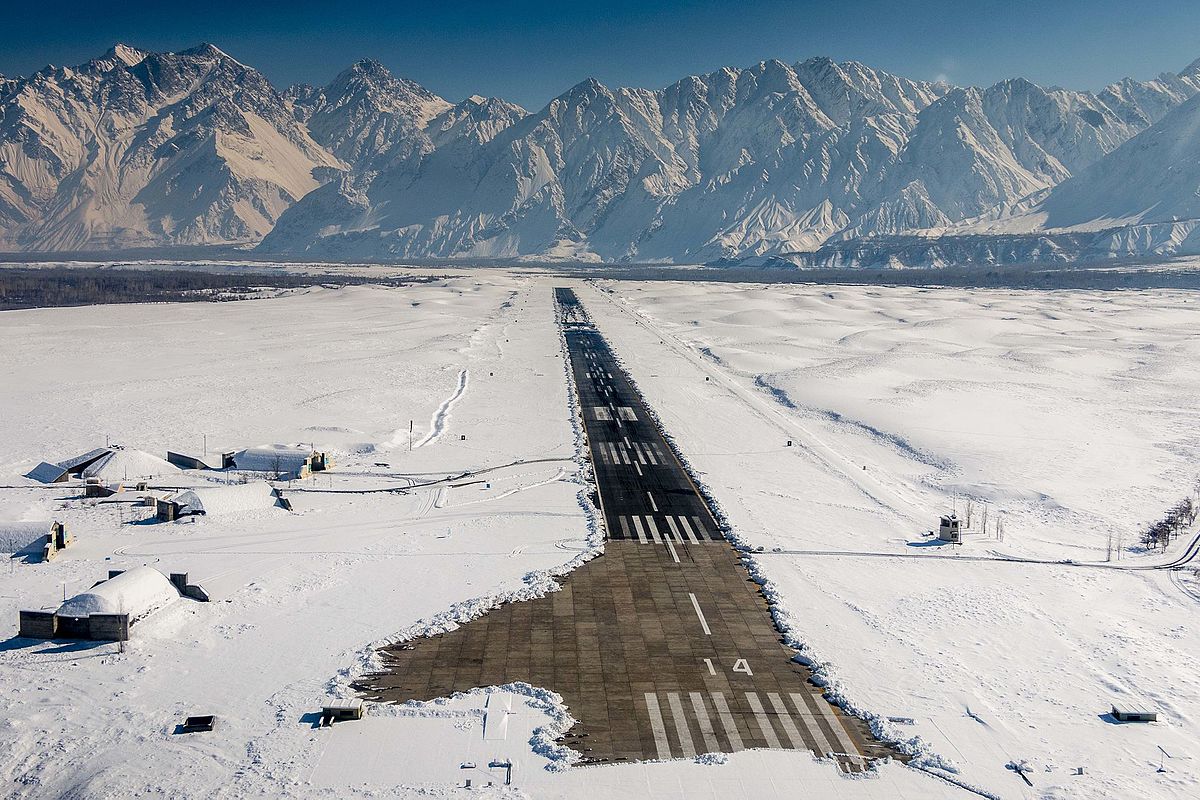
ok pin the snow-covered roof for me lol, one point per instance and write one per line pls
(272, 458)
(136, 592)
(80, 461)
(16, 537)
(226, 499)
(46, 472)
(124, 463)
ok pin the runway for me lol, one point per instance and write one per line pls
(664, 647)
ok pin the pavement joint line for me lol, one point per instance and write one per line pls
(700, 614)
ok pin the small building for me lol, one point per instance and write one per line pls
(340, 710)
(116, 463)
(1126, 714)
(107, 610)
(184, 461)
(950, 529)
(278, 460)
(96, 487)
(46, 472)
(34, 540)
(205, 500)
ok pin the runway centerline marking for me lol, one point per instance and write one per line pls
(700, 614)
(653, 505)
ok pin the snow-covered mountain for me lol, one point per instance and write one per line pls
(775, 159)
(766, 160)
(137, 148)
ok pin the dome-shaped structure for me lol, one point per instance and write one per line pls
(137, 592)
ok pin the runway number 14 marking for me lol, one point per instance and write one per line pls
(741, 665)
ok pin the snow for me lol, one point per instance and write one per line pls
(18, 537)
(254, 496)
(1073, 412)
(137, 592)
(767, 160)
(124, 464)
(279, 458)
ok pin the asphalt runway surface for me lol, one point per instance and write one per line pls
(663, 647)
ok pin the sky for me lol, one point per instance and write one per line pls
(528, 51)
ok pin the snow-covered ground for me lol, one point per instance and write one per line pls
(1074, 413)
(298, 597)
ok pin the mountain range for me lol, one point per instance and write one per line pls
(819, 162)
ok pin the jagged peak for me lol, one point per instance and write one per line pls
(369, 66)
(205, 50)
(126, 54)
(587, 86)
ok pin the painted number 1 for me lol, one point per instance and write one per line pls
(741, 665)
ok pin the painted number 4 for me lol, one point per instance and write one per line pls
(738, 666)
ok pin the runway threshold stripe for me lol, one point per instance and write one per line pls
(727, 722)
(671, 548)
(785, 719)
(764, 722)
(674, 530)
(686, 528)
(845, 743)
(625, 528)
(657, 727)
(714, 536)
(806, 715)
(652, 529)
(641, 532)
(681, 727)
(706, 727)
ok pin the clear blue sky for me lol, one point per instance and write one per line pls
(528, 51)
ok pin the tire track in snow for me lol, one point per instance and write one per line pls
(438, 424)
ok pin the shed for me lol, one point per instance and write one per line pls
(950, 530)
(206, 500)
(136, 593)
(338, 710)
(1127, 714)
(184, 461)
(278, 460)
(46, 472)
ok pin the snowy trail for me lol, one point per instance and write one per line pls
(437, 425)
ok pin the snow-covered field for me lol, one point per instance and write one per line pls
(298, 598)
(1073, 413)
